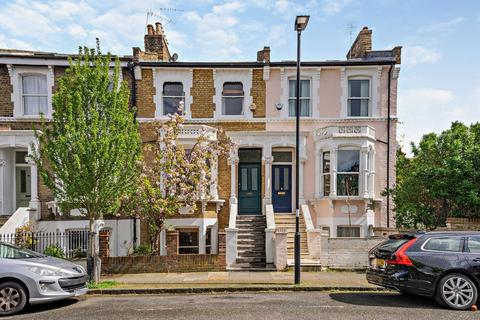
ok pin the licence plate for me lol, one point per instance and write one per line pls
(378, 263)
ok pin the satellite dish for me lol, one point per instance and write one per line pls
(174, 58)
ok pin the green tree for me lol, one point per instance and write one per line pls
(89, 152)
(441, 180)
(175, 177)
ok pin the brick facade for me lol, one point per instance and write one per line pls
(202, 93)
(6, 104)
(258, 93)
(145, 93)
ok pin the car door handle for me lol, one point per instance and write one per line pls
(476, 260)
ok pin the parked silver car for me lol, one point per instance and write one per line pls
(29, 277)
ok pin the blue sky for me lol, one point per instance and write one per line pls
(440, 73)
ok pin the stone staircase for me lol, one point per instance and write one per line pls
(251, 244)
(287, 222)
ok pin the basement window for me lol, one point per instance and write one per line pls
(348, 231)
(188, 241)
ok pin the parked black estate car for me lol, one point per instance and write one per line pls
(443, 265)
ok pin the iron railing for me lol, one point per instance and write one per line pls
(69, 244)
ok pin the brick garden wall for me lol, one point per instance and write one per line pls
(172, 262)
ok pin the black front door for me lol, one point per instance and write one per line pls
(249, 189)
(282, 188)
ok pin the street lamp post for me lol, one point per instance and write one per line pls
(300, 25)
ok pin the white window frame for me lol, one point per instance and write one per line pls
(225, 98)
(312, 74)
(243, 76)
(309, 98)
(360, 182)
(323, 174)
(372, 73)
(165, 96)
(162, 75)
(16, 78)
(368, 98)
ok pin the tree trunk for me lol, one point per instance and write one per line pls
(92, 253)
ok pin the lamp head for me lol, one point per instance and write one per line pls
(301, 22)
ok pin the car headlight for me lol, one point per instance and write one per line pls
(49, 272)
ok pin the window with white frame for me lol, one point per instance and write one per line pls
(34, 94)
(304, 98)
(232, 99)
(358, 97)
(348, 166)
(326, 173)
(172, 96)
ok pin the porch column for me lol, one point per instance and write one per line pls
(301, 180)
(233, 182)
(333, 167)
(371, 169)
(34, 201)
(268, 181)
(364, 171)
(318, 174)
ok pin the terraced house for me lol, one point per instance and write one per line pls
(347, 149)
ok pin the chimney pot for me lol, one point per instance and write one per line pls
(158, 28)
(150, 30)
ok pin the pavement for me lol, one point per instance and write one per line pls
(250, 281)
(239, 306)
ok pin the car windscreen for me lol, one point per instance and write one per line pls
(8, 251)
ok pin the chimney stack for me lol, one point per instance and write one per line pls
(361, 45)
(156, 42)
(264, 55)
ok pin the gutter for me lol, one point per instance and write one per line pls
(388, 142)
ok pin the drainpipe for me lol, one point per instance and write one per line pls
(133, 100)
(388, 143)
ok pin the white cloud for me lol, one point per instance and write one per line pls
(334, 6)
(76, 31)
(425, 97)
(9, 43)
(276, 35)
(439, 26)
(413, 55)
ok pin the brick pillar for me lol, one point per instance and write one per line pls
(172, 243)
(104, 242)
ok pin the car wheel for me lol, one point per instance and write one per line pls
(12, 298)
(456, 291)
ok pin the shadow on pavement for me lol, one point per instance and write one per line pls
(395, 300)
(50, 306)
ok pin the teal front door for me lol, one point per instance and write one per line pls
(249, 189)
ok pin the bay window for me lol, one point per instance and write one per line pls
(358, 97)
(326, 173)
(304, 98)
(34, 94)
(348, 170)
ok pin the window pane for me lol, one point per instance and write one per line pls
(348, 160)
(358, 88)
(208, 241)
(444, 244)
(304, 89)
(188, 242)
(250, 155)
(35, 84)
(285, 179)
(232, 89)
(244, 179)
(347, 184)
(34, 105)
(474, 244)
(326, 185)
(349, 232)
(282, 156)
(232, 106)
(173, 89)
(357, 107)
(170, 105)
(23, 181)
(326, 162)
(254, 174)
(276, 178)
(20, 157)
(304, 107)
